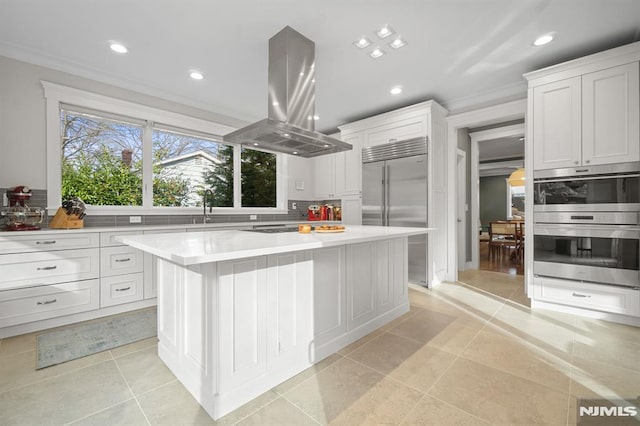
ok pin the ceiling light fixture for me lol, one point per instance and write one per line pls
(118, 48)
(362, 43)
(385, 32)
(396, 90)
(316, 117)
(398, 43)
(376, 53)
(295, 152)
(544, 39)
(256, 144)
(196, 75)
(521, 139)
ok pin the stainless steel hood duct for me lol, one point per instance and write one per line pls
(290, 126)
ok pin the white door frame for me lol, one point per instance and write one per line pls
(461, 208)
(513, 110)
(476, 139)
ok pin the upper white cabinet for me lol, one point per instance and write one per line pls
(325, 178)
(610, 115)
(557, 130)
(348, 166)
(586, 112)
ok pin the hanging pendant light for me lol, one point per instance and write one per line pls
(517, 177)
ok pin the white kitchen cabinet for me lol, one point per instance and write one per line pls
(329, 294)
(396, 128)
(611, 115)
(242, 288)
(290, 309)
(48, 268)
(29, 304)
(351, 209)
(598, 297)
(585, 115)
(120, 260)
(115, 290)
(47, 242)
(557, 130)
(348, 165)
(362, 281)
(325, 176)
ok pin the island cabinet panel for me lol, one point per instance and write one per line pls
(329, 294)
(243, 309)
(289, 308)
(362, 280)
(399, 271)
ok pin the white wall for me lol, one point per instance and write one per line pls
(22, 117)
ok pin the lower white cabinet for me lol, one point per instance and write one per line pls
(598, 297)
(242, 288)
(362, 279)
(120, 260)
(38, 303)
(329, 293)
(120, 289)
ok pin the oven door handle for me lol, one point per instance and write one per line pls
(588, 231)
(573, 179)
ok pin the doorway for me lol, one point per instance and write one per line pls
(495, 154)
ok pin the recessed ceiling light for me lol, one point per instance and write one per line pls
(326, 146)
(385, 32)
(544, 39)
(521, 139)
(396, 90)
(316, 117)
(117, 47)
(295, 152)
(275, 103)
(362, 43)
(398, 43)
(196, 75)
(256, 144)
(376, 53)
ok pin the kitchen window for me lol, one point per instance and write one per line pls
(124, 158)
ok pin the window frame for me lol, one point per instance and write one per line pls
(56, 95)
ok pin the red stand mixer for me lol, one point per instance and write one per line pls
(18, 216)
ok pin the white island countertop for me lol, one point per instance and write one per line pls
(204, 247)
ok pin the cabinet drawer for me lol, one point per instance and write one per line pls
(107, 239)
(39, 303)
(36, 269)
(620, 300)
(121, 289)
(32, 243)
(120, 260)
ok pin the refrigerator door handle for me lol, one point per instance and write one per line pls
(383, 207)
(386, 194)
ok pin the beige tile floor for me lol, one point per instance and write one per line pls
(467, 353)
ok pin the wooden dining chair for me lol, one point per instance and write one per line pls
(502, 235)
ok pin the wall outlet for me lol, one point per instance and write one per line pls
(253, 217)
(135, 219)
(294, 206)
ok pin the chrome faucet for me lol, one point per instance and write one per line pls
(205, 218)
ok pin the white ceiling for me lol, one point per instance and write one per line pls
(501, 148)
(459, 52)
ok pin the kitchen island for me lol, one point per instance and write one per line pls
(240, 312)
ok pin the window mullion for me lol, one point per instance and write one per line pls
(147, 165)
(237, 176)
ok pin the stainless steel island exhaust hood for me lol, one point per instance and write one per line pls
(290, 126)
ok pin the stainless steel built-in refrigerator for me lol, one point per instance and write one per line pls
(394, 193)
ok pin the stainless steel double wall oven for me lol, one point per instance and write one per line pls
(586, 224)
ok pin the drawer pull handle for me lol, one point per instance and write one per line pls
(123, 289)
(46, 242)
(123, 260)
(581, 295)
(47, 268)
(48, 302)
